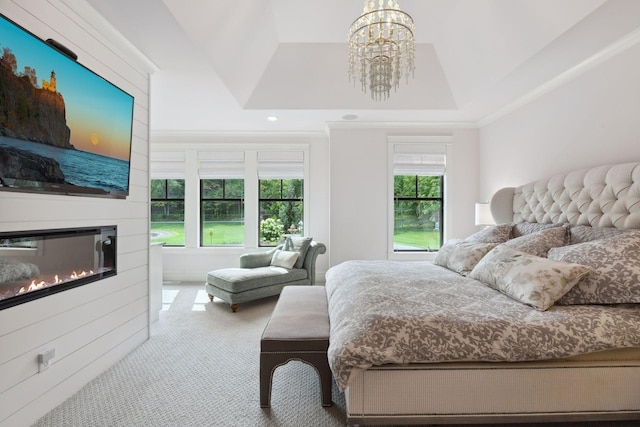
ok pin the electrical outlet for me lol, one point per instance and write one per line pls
(44, 359)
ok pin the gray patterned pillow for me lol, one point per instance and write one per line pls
(586, 233)
(532, 280)
(540, 242)
(495, 234)
(523, 228)
(615, 275)
(461, 256)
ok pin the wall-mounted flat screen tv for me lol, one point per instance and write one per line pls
(63, 128)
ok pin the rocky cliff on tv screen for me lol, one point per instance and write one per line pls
(63, 128)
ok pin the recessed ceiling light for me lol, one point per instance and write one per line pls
(349, 117)
(272, 118)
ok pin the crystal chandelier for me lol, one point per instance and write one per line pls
(381, 48)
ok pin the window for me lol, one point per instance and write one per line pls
(280, 195)
(281, 209)
(221, 198)
(167, 211)
(418, 197)
(221, 212)
(418, 212)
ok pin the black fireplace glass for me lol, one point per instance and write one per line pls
(34, 264)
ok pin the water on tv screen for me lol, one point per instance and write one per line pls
(63, 128)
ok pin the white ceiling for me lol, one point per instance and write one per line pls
(224, 65)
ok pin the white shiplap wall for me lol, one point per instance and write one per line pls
(92, 326)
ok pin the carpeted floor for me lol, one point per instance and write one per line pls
(200, 368)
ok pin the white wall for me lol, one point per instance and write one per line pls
(589, 121)
(359, 194)
(193, 262)
(92, 326)
(348, 197)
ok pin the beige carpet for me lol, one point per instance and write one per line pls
(200, 368)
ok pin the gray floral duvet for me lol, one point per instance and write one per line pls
(409, 312)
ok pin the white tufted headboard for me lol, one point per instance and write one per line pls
(604, 196)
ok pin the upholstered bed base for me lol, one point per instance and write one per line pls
(457, 393)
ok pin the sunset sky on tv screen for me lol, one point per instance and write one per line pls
(98, 113)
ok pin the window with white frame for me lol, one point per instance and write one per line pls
(281, 195)
(232, 196)
(221, 198)
(418, 196)
(167, 191)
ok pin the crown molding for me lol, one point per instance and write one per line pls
(170, 136)
(572, 73)
(420, 139)
(401, 125)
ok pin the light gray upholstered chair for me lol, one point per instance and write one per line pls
(256, 278)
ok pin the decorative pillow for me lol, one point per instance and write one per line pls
(523, 228)
(495, 234)
(615, 275)
(284, 259)
(298, 244)
(532, 280)
(586, 233)
(540, 242)
(461, 256)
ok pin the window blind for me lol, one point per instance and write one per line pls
(221, 164)
(419, 159)
(167, 165)
(281, 165)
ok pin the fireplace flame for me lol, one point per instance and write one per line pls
(34, 286)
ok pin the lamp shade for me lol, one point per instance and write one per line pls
(483, 214)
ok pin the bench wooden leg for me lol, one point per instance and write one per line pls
(267, 366)
(321, 363)
(234, 307)
(210, 297)
(269, 362)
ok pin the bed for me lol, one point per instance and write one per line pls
(534, 319)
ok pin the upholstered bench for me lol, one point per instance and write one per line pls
(298, 330)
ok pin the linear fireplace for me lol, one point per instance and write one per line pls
(35, 264)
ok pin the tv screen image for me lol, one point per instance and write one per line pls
(63, 128)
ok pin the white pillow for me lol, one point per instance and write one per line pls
(461, 256)
(286, 259)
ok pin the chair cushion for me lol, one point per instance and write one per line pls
(298, 244)
(284, 259)
(245, 279)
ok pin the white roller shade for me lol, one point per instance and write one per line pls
(221, 164)
(281, 165)
(167, 165)
(419, 159)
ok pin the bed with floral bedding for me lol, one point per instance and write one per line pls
(537, 318)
